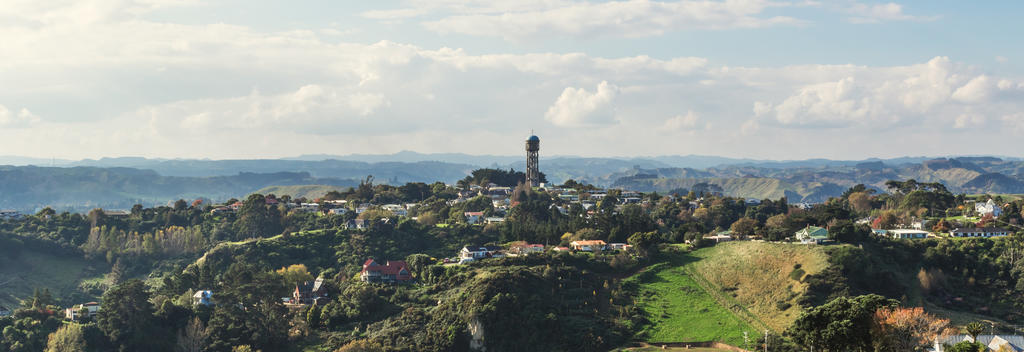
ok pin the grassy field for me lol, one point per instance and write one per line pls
(762, 277)
(61, 274)
(679, 309)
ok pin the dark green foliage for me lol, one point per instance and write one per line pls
(127, 317)
(509, 178)
(840, 325)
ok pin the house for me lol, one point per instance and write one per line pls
(880, 232)
(357, 224)
(525, 248)
(10, 214)
(920, 224)
(473, 217)
(561, 249)
(117, 213)
(493, 220)
(1013, 343)
(391, 272)
(812, 235)
(203, 297)
(619, 246)
(480, 252)
(222, 210)
(310, 292)
(82, 311)
(979, 232)
(907, 234)
(988, 208)
(588, 245)
(396, 209)
(752, 201)
(337, 211)
(724, 236)
(235, 206)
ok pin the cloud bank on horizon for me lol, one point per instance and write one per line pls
(740, 78)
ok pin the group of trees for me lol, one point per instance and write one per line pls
(867, 323)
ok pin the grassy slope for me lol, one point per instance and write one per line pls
(61, 274)
(306, 191)
(680, 310)
(757, 276)
(717, 293)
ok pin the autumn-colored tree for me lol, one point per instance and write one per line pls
(860, 201)
(743, 227)
(942, 226)
(985, 221)
(295, 273)
(885, 220)
(906, 329)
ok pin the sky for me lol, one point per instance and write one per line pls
(738, 78)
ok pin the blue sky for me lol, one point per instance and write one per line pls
(740, 78)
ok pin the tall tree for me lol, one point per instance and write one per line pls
(127, 317)
(906, 329)
(840, 325)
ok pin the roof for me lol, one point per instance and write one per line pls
(980, 229)
(813, 232)
(482, 248)
(1016, 341)
(474, 213)
(305, 286)
(899, 231)
(533, 139)
(391, 267)
(588, 243)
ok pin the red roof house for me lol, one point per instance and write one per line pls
(391, 272)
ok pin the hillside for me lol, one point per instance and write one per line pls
(29, 188)
(766, 278)
(67, 277)
(300, 191)
(746, 187)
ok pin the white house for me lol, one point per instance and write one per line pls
(989, 207)
(588, 245)
(907, 234)
(203, 297)
(80, 311)
(979, 232)
(480, 252)
(337, 211)
(396, 209)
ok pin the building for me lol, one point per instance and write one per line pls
(532, 169)
(979, 232)
(1013, 343)
(309, 292)
(82, 311)
(337, 211)
(587, 245)
(474, 217)
(987, 208)
(907, 234)
(619, 246)
(480, 252)
(812, 235)
(9, 214)
(203, 297)
(524, 248)
(391, 272)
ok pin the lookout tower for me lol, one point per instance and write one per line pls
(532, 171)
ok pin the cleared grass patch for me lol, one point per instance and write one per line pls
(765, 278)
(60, 274)
(679, 309)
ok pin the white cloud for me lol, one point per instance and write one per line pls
(682, 122)
(876, 13)
(627, 18)
(17, 119)
(578, 107)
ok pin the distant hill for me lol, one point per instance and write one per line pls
(29, 188)
(300, 191)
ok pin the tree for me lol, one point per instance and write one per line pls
(974, 329)
(645, 242)
(906, 329)
(295, 273)
(68, 338)
(127, 317)
(840, 325)
(860, 202)
(743, 227)
(364, 345)
(192, 338)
